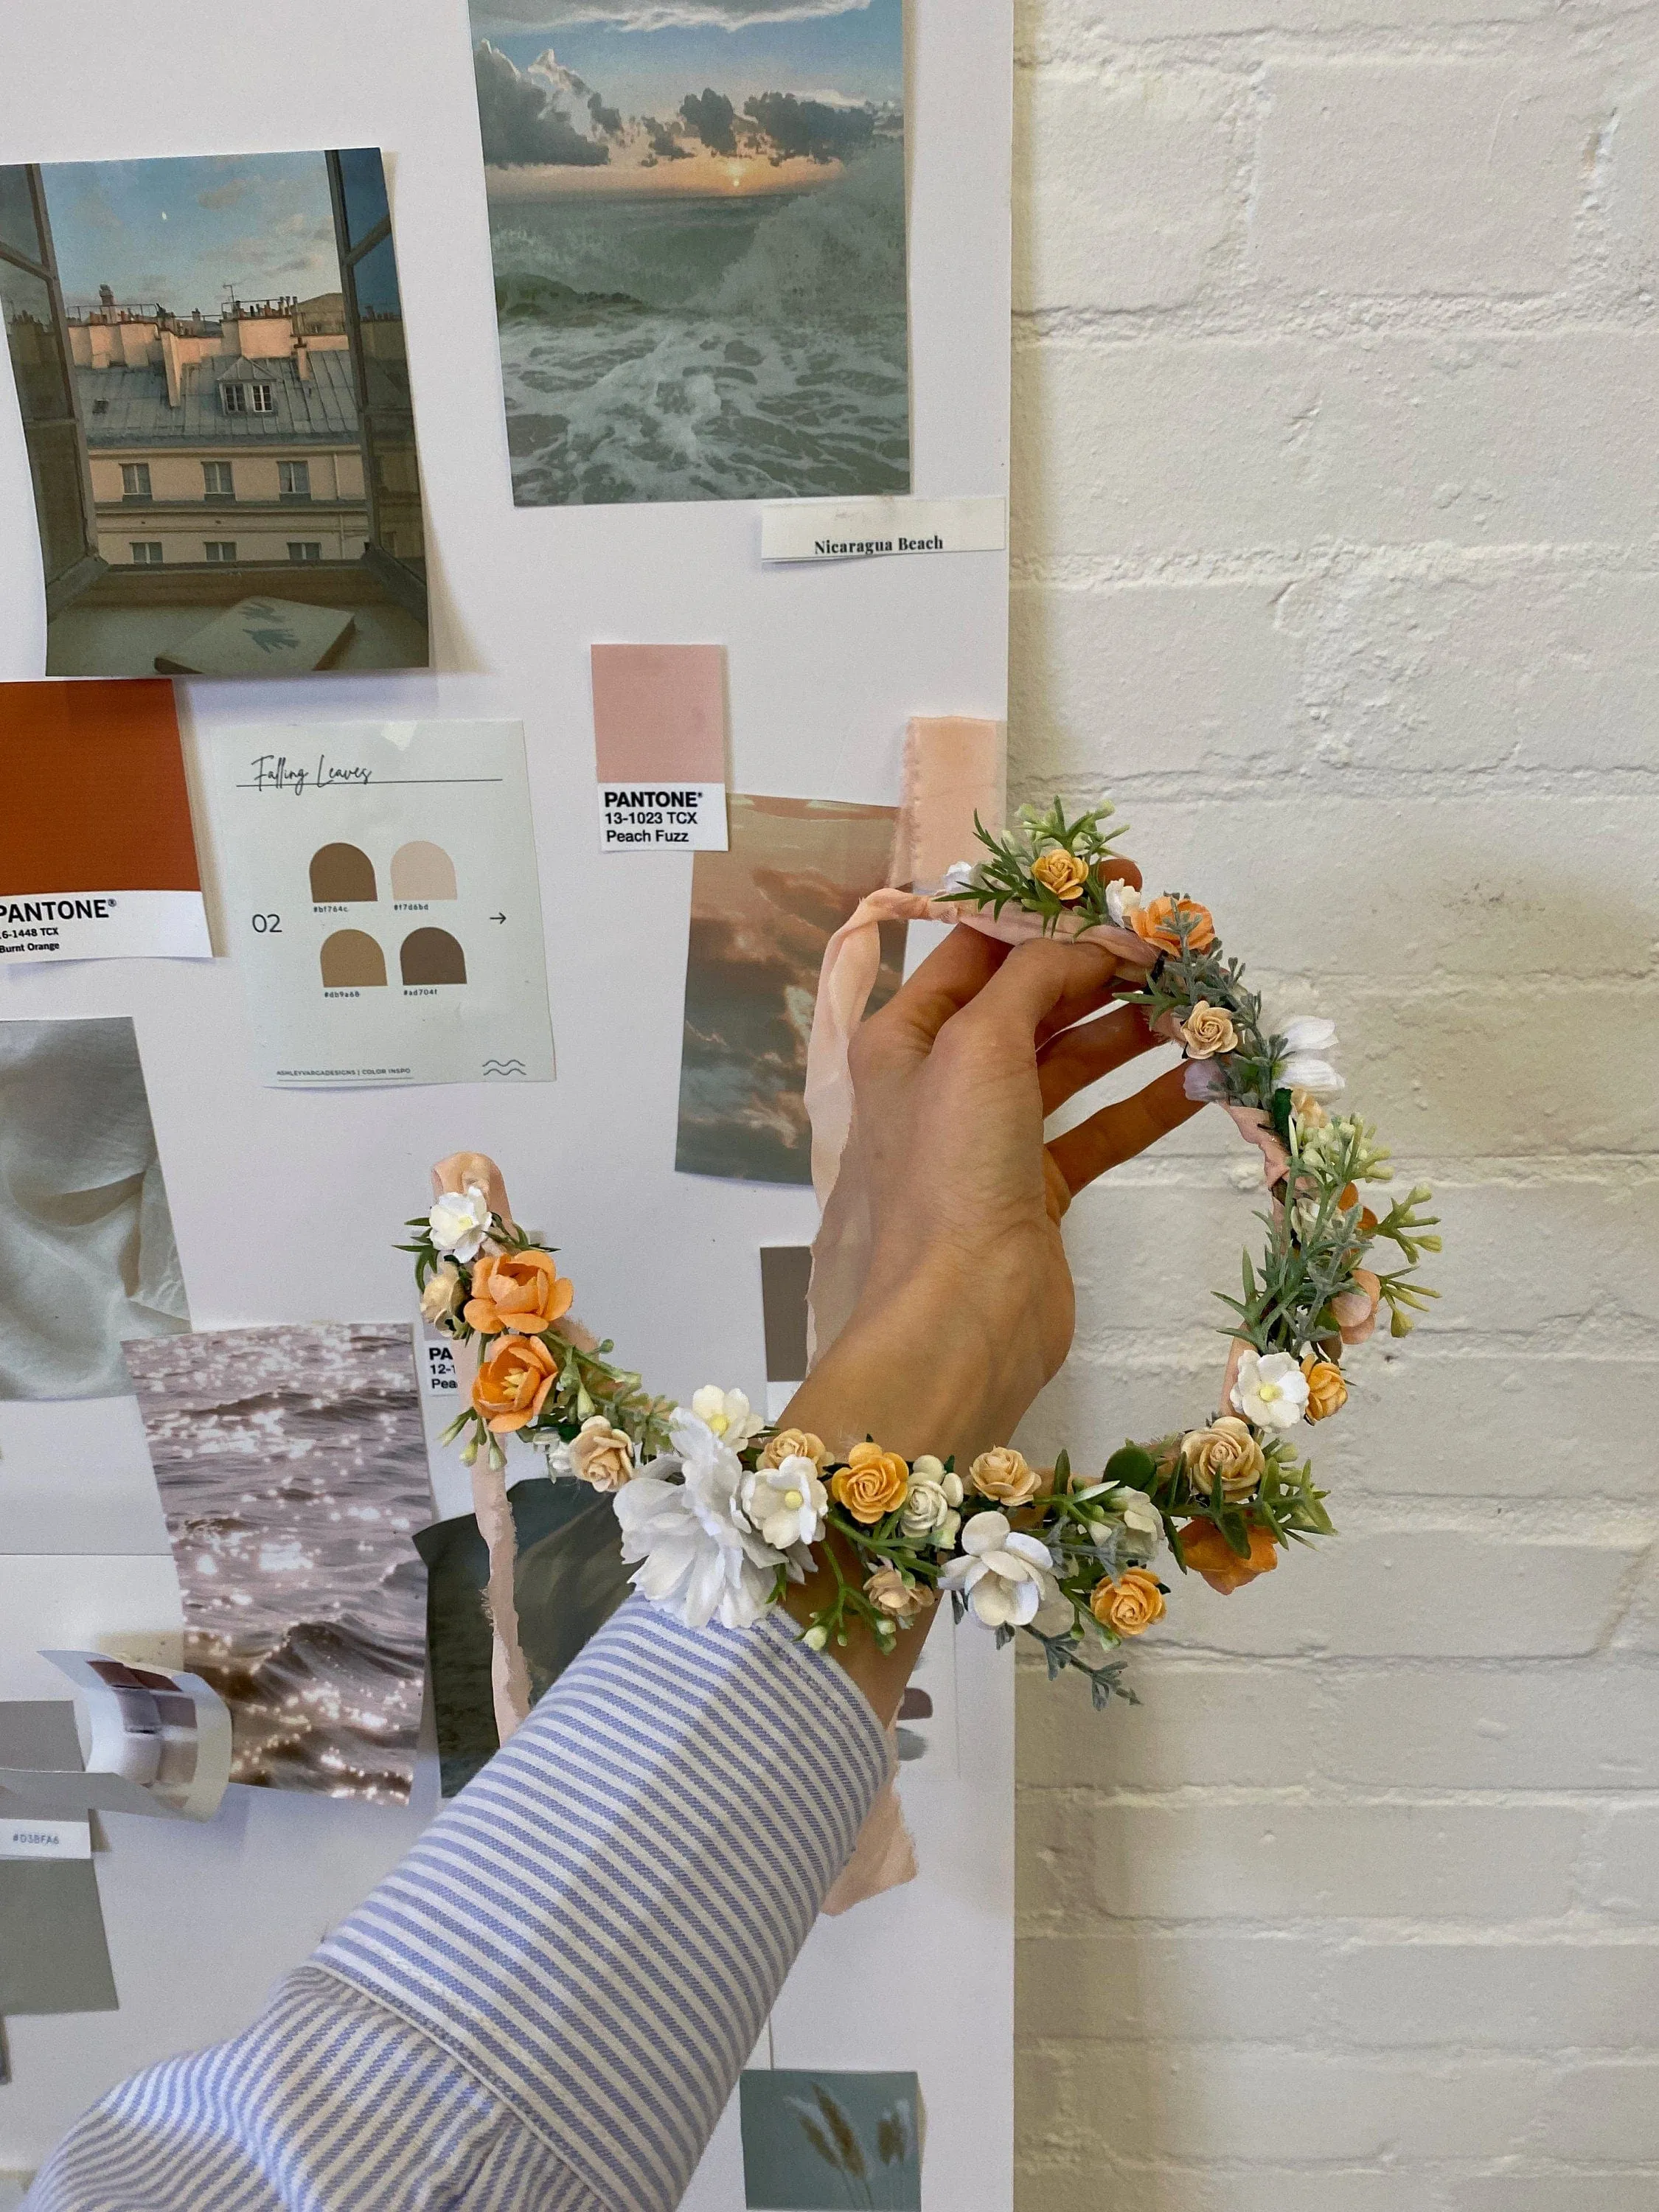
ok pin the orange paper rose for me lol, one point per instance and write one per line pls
(1328, 1393)
(1062, 873)
(1208, 1552)
(1156, 922)
(873, 1484)
(511, 1387)
(1129, 1606)
(521, 1291)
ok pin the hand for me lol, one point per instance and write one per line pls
(968, 1309)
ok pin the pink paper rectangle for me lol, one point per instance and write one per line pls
(660, 710)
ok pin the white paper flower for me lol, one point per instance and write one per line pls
(959, 876)
(786, 1503)
(700, 1559)
(1121, 901)
(1271, 1392)
(459, 1222)
(1138, 1513)
(727, 1414)
(1005, 1577)
(930, 1512)
(1308, 1039)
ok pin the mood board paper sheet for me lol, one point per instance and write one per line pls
(383, 899)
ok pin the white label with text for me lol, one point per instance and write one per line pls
(442, 1380)
(104, 925)
(45, 1839)
(868, 529)
(662, 817)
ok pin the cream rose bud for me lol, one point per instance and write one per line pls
(602, 1455)
(1121, 901)
(442, 1293)
(1228, 1452)
(1137, 1511)
(786, 1503)
(928, 1509)
(459, 1222)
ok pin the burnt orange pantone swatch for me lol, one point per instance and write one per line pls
(91, 790)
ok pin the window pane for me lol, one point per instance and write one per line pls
(17, 224)
(374, 279)
(42, 386)
(362, 187)
(134, 480)
(55, 460)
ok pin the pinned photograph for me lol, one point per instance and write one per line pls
(209, 359)
(88, 1259)
(832, 2143)
(762, 914)
(568, 1580)
(698, 219)
(293, 1470)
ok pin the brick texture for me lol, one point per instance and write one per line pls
(1337, 565)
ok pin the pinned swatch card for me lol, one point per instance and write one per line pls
(383, 902)
(815, 2140)
(659, 747)
(97, 853)
(53, 1956)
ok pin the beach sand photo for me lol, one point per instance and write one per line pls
(697, 220)
(762, 914)
(293, 1470)
(209, 359)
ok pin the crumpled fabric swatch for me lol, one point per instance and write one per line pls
(86, 1251)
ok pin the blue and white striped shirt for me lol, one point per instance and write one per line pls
(546, 2007)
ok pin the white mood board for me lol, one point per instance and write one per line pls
(286, 1203)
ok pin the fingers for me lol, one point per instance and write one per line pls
(1118, 1133)
(952, 974)
(1081, 1055)
(1046, 986)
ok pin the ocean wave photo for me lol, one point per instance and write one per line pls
(704, 297)
(293, 1470)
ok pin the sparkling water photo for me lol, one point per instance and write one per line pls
(293, 1470)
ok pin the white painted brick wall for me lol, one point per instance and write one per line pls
(1337, 564)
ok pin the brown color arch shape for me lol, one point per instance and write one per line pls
(422, 870)
(352, 961)
(432, 955)
(342, 876)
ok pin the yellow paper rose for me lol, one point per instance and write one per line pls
(1005, 1475)
(873, 1484)
(1328, 1393)
(1062, 873)
(1129, 1606)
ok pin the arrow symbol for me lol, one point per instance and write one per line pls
(497, 917)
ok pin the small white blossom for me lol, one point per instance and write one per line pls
(959, 876)
(1138, 1513)
(1271, 1392)
(1308, 1040)
(459, 1222)
(727, 1414)
(1121, 901)
(786, 1504)
(1004, 1576)
(700, 1559)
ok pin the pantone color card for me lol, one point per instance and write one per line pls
(382, 901)
(97, 856)
(659, 747)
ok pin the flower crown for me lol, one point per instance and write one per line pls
(721, 1515)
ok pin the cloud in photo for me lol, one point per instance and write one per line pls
(522, 115)
(652, 15)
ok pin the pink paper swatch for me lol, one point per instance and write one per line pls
(660, 711)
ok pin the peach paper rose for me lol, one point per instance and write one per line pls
(511, 1387)
(1062, 873)
(1228, 1449)
(602, 1455)
(1208, 1552)
(889, 1592)
(795, 1443)
(873, 1484)
(1207, 1032)
(522, 1292)
(1156, 922)
(1005, 1475)
(1129, 1606)
(1328, 1393)
(442, 1293)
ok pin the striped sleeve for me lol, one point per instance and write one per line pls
(548, 2003)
